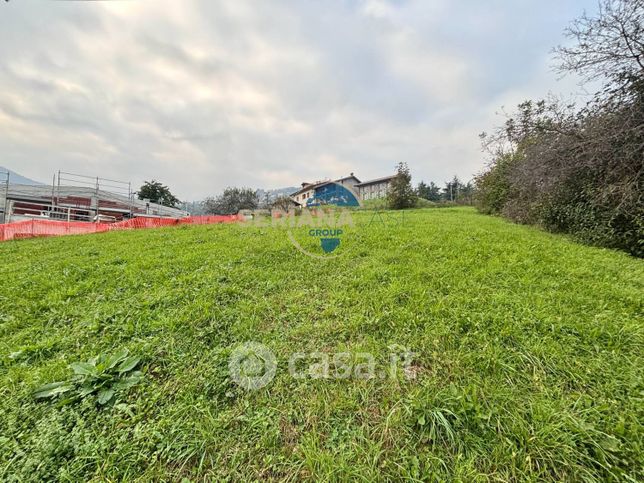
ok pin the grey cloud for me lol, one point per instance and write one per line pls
(207, 94)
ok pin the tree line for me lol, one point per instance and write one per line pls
(401, 195)
(579, 170)
(454, 191)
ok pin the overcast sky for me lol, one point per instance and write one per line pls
(201, 95)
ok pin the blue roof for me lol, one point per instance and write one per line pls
(333, 194)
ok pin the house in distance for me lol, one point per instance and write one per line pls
(332, 192)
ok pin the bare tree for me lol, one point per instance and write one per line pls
(609, 45)
(282, 203)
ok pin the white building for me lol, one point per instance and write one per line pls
(309, 190)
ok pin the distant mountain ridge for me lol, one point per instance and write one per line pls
(15, 178)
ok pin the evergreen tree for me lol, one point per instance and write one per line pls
(401, 194)
(429, 191)
(422, 190)
(453, 189)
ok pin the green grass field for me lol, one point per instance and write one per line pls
(529, 354)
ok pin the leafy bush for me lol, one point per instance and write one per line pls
(576, 173)
(493, 186)
(105, 376)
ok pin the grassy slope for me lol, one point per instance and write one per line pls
(530, 347)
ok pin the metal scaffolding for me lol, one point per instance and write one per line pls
(101, 187)
(76, 197)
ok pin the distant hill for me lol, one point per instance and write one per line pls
(15, 178)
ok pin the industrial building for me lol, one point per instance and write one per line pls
(375, 188)
(77, 203)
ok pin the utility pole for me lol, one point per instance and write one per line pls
(98, 217)
(6, 199)
(130, 197)
(53, 189)
(58, 192)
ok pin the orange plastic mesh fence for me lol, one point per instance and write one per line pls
(40, 228)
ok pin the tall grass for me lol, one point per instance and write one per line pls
(528, 367)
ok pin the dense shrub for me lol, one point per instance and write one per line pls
(493, 185)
